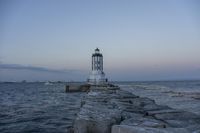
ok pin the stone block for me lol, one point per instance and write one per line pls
(137, 129)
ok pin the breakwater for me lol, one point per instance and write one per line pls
(112, 110)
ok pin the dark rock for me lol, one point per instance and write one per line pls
(70, 130)
(146, 122)
(77, 88)
(153, 107)
(180, 123)
(128, 115)
(138, 129)
(162, 111)
(176, 116)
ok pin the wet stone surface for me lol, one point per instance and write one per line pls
(112, 110)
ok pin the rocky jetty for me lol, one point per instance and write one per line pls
(109, 109)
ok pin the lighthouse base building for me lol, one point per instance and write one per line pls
(97, 76)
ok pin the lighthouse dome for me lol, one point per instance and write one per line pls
(97, 50)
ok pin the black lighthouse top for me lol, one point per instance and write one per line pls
(97, 53)
(96, 49)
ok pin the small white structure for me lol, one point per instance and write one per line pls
(97, 76)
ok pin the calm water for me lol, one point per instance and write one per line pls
(35, 107)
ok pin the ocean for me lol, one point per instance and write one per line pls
(36, 107)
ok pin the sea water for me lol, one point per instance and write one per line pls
(36, 107)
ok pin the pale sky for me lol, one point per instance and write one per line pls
(139, 39)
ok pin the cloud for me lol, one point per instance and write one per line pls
(16, 72)
(33, 68)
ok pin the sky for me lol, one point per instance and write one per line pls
(140, 40)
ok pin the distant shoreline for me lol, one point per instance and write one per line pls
(138, 81)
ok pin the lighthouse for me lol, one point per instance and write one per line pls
(97, 76)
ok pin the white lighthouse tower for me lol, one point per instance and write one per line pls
(97, 76)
